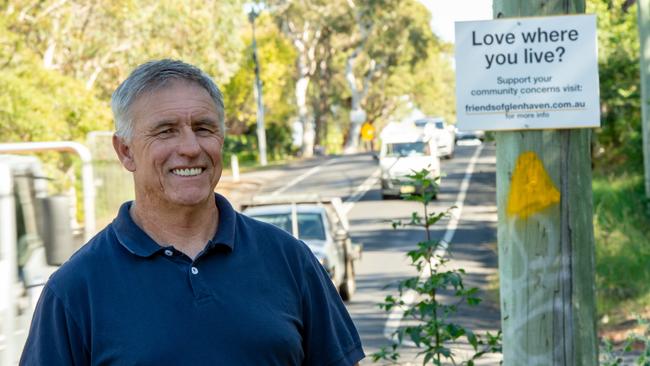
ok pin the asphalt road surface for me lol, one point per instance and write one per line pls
(473, 242)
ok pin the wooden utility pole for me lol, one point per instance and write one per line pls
(546, 242)
(644, 39)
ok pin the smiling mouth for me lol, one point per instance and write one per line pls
(188, 172)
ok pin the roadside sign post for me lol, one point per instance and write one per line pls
(543, 107)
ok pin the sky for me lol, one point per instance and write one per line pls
(445, 12)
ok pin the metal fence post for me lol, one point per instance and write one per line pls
(8, 265)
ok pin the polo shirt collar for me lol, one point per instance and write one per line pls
(136, 241)
(225, 234)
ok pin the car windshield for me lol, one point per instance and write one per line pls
(407, 149)
(421, 122)
(310, 225)
(424, 122)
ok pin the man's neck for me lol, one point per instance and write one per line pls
(188, 229)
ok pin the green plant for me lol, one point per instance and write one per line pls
(614, 357)
(622, 233)
(432, 329)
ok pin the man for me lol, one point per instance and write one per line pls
(179, 277)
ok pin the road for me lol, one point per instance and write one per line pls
(473, 244)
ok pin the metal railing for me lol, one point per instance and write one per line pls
(87, 179)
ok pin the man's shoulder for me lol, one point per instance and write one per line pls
(269, 237)
(263, 230)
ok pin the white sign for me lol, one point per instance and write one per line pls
(357, 116)
(527, 73)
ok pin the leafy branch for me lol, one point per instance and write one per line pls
(432, 330)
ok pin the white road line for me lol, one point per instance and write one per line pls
(397, 313)
(301, 177)
(361, 190)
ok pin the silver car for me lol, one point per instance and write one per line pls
(322, 225)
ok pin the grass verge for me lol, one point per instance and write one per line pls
(622, 233)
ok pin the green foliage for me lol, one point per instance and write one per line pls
(613, 356)
(622, 233)
(98, 42)
(434, 84)
(61, 60)
(618, 46)
(279, 145)
(432, 329)
(276, 56)
(43, 105)
(412, 61)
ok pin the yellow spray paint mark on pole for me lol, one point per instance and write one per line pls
(531, 189)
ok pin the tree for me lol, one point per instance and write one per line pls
(100, 41)
(618, 66)
(276, 55)
(303, 22)
(394, 46)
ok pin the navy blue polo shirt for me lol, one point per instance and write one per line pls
(254, 296)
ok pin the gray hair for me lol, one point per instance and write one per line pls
(150, 76)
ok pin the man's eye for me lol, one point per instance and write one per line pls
(166, 131)
(203, 130)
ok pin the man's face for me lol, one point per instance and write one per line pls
(175, 152)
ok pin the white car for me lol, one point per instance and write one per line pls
(444, 134)
(469, 135)
(405, 149)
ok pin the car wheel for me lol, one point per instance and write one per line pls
(349, 285)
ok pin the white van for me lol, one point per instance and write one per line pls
(445, 134)
(404, 150)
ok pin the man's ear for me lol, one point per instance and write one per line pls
(124, 153)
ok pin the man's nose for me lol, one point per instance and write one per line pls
(189, 143)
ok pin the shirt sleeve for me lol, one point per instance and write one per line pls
(54, 337)
(329, 335)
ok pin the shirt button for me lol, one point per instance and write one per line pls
(195, 270)
(168, 252)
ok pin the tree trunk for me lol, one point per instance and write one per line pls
(303, 115)
(644, 39)
(352, 142)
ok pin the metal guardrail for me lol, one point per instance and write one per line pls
(86, 172)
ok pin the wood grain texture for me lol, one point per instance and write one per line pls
(546, 260)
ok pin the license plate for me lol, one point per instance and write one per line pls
(406, 189)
